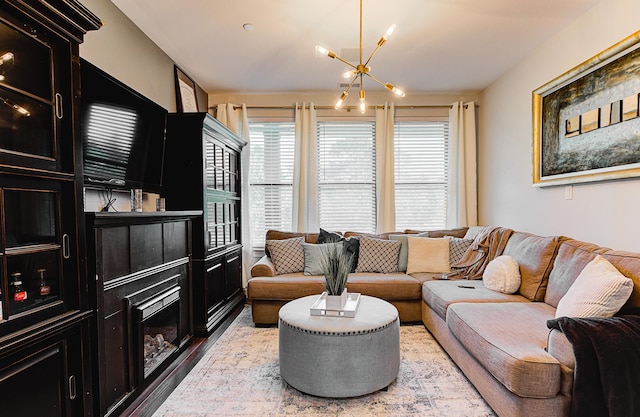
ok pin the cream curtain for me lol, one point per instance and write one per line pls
(462, 204)
(305, 173)
(235, 118)
(385, 169)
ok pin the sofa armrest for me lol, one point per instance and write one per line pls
(263, 268)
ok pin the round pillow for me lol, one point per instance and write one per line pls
(502, 274)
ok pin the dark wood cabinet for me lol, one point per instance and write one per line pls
(142, 269)
(44, 309)
(202, 172)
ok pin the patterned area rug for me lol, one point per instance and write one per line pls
(240, 376)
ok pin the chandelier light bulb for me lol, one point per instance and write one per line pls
(349, 74)
(341, 100)
(389, 31)
(363, 105)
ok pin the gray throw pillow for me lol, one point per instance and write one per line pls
(404, 251)
(313, 255)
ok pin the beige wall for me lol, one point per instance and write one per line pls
(122, 50)
(602, 213)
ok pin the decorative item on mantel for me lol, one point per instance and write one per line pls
(336, 301)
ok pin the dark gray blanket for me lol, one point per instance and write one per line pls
(607, 372)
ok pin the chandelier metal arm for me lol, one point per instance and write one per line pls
(353, 80)
(346, 62)
(382, 83)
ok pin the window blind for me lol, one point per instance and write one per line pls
(270, 178)
(346, 176)
(421, 159)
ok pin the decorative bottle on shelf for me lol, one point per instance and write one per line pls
(17, 290)
(44, 288)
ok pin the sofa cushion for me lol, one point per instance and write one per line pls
(456, 232)
(502, 274)
(428, 254)
(535, 256)
(573, 255)
(390, 287)
(284, 287)
(439, 295)
(509, 340)
(287, 254)
(280, 235)
(599, 291)
(378, 255)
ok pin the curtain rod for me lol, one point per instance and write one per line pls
(422, 106)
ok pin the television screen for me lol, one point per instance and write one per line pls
(123, 134)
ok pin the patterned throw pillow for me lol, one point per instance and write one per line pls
(287, 255)
(457, 248)
(377, 255)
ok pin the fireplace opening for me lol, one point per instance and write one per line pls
(157, 321)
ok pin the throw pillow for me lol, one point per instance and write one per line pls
(457, 248)
(287, 255)
(378, 255)
(502, 274)
(328, 237)
(403, 256)
(352, 245)
(313, 255)
(428, 254)
(600, 290)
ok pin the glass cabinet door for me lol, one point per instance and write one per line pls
(35, 248)
(32, 104)
(222, 200)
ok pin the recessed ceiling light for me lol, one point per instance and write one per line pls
(248, 27)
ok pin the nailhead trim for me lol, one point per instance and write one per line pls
(329, 333)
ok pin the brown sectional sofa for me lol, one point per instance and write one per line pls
(268, 291)
(500, 341)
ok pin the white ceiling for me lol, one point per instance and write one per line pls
(439, 46)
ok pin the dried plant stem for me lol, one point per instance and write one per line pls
(336, 265)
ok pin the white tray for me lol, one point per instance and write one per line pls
(319, 308)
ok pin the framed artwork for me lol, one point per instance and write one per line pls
(186, 99)
(586, 125)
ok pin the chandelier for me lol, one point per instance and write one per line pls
(361, 69)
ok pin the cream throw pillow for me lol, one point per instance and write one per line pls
(428, 254)
(502, 274)
(599, 291)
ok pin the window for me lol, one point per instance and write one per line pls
(421, 165)
(346, 176)
(270, 178)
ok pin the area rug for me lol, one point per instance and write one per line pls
(240, 376)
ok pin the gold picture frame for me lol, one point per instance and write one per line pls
(586, 122)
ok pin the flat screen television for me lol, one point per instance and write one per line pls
(123, 134)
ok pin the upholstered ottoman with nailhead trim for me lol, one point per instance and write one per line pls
(339, 357)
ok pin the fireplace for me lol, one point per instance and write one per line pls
(156, 322)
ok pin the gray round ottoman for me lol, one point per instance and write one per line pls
(337, 356)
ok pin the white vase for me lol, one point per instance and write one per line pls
(336, 302)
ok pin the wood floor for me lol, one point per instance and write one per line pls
(151, 399)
